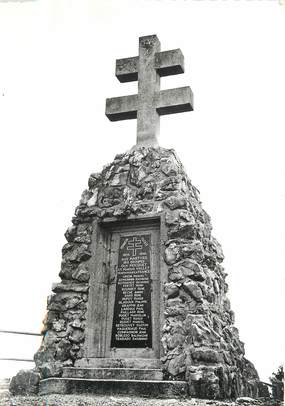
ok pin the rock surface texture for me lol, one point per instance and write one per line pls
(200, 342)
(25, 383)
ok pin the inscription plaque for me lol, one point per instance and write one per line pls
(132, 308)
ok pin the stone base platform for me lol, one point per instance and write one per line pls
(136, 363)
(114, 373)
(143, 388)
(111, 376)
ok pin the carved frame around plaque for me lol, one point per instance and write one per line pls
(126, 287)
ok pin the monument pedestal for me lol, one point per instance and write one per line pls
(132, 377)
(142, 307)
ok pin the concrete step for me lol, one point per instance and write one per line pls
(113, 373)
(136, 363)
(143, 388)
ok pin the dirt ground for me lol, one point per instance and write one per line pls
(91, 400)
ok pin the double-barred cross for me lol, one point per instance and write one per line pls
(150, 103)
(134, 245)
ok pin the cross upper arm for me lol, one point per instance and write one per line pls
(166, 63)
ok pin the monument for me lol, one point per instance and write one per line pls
(141, 307)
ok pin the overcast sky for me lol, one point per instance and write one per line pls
(57, 62)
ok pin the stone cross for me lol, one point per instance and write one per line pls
(150, 103)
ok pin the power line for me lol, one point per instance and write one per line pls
(17, 359)
(20, 332)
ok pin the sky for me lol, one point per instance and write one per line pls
(57, 64)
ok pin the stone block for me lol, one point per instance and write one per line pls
(176, 202)
(50, 369)
(177, 365)
(143, 388)
(25, 383)
(113, 373)
(190, 268)
(207, 356)
(135, 363)
(70, 287)
(194, 290)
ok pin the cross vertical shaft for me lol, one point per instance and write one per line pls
(148, 87)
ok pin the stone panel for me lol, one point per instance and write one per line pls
(132, 323)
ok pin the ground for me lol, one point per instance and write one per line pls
(81, 400)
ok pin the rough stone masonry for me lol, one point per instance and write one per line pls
(200, 343)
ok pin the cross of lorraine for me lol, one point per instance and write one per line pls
(150, 103)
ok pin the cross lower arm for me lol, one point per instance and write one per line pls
(172, 101)
(168, 101)
(122, 108)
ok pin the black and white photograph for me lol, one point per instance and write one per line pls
(143, 222)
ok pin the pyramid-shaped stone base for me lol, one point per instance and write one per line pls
(144, 193)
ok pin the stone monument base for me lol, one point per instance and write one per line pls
(132, 377)
(143, 292)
